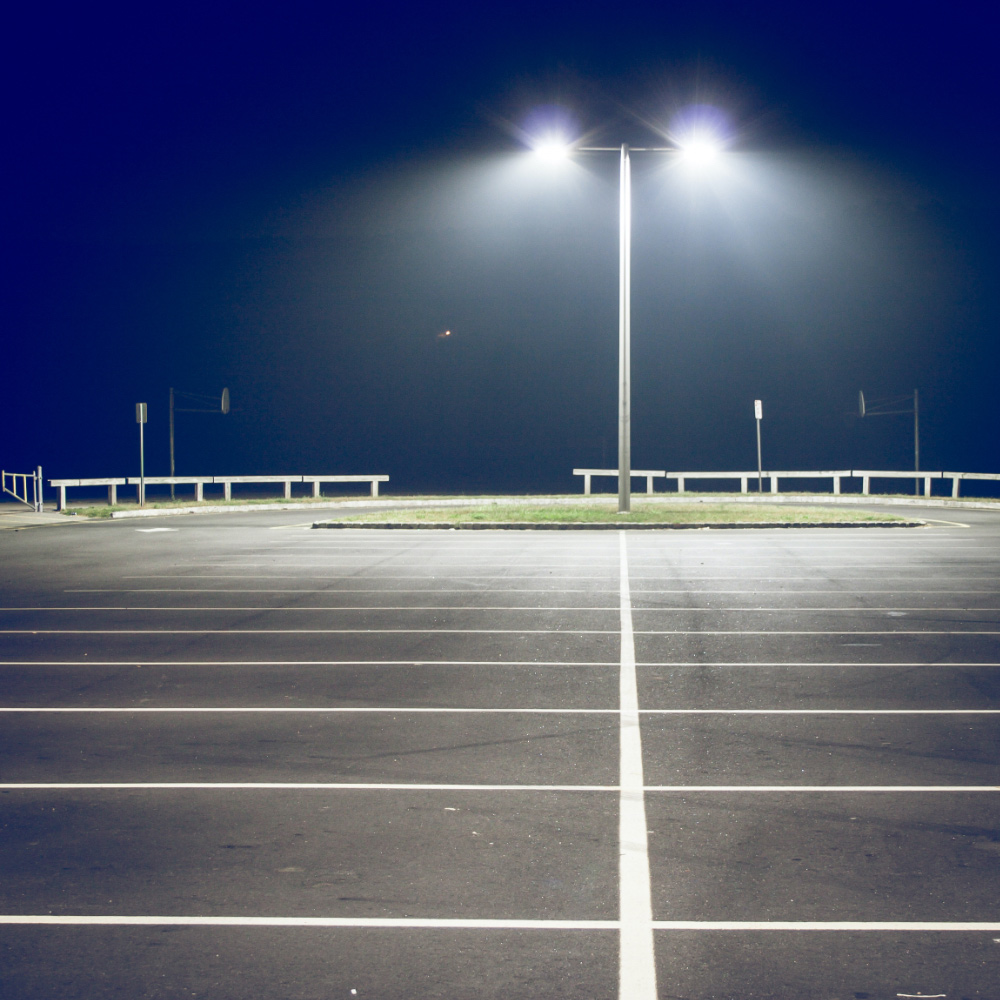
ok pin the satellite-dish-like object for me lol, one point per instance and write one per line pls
(861, 403)
(225, 400)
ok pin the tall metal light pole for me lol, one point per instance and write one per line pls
(625, 333)
(700, 147)
(625, 312)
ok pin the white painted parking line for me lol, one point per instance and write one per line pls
(477, 631)
(287, 786)
(504, 576)
(430, 923)
(507, 590)
(349, 710)
(777, 631)
(337, 590)
(631, 889)
(818, 711)
(406, 710)
(887, 664)
(817, 663)
(437, 923)
(878, 926)
(317, 663)
(327, 607)
(823, 789)
(676, 609)
(637, 965)
(304, 631)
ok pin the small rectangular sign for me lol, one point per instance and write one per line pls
(140, 413)
(758, 409)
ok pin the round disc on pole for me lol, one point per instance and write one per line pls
(225, 400)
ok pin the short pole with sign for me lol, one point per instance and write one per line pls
(758, 412)
(140, 419)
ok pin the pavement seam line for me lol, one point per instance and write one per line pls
(637, 966)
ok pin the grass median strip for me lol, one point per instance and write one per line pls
(647, 515)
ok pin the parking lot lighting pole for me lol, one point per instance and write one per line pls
(625, 334)
(700, 149)
(624, 314)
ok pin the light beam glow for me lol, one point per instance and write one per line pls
(550, 132)
(701, 133)
(552, 148)
(700, 150)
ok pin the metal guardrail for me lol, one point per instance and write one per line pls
(199, 483)
(774, 477)
(37, 501)
(589, 473)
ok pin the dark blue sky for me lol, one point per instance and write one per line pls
(294, 200)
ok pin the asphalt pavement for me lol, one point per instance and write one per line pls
(244, 758)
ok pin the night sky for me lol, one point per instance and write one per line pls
(296, 200)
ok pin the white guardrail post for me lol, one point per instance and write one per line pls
(199, 483)
(837, 476)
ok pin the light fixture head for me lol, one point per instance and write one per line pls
(551, 132)
(701, 133)
(552, 148)
(700, 149)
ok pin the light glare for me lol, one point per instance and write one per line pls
(553, 149)
(700, 150)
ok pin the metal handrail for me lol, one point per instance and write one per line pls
(36, 503)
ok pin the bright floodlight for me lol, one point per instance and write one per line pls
(700, 149)
(553, 148)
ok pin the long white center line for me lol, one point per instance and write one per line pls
(637, 966)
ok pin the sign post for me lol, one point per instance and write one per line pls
(140, 419)
(222, 406)
(758, 412)
(884, 408)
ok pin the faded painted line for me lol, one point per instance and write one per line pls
(432, 923)
(637, 966)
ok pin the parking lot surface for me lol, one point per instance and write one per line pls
(243, 758)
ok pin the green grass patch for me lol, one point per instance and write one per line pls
(106, 510)
(646, 513)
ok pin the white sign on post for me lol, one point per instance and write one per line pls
(758, 409)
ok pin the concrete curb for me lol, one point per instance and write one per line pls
(826, 499)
